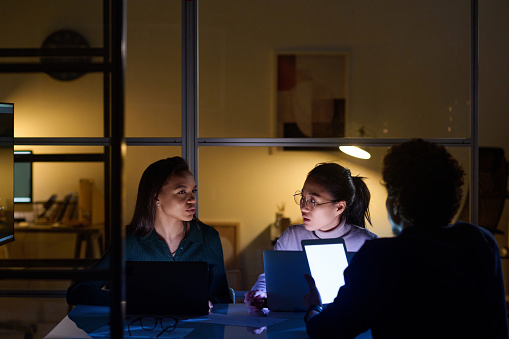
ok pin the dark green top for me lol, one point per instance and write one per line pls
(201, 244)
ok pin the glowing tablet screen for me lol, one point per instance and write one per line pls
(327, 263)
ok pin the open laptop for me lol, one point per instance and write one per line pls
(284, 277)
(327, 259)
(165, 287)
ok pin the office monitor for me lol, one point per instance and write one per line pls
(22, 177)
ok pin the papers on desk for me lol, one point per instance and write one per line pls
(236, 320)
(138, 332)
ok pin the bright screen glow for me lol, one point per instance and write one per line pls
(327, 263)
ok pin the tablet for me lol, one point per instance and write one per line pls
(327, 259)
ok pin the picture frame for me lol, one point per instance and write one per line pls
(311, 94)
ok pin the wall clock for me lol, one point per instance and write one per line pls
(65, 39)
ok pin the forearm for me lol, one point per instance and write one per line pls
(88, 293)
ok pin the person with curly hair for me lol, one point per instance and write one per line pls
(433, 280)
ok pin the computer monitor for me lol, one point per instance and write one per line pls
(6, 172)
(22, 177)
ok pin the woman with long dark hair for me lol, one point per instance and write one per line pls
(164, 228)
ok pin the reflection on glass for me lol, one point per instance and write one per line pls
(311, 94)
(406, 79)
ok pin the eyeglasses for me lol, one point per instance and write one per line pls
(168, 324)
(310, 202)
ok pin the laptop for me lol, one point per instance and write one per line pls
(167, 288)
(284, 277)
(327, 259)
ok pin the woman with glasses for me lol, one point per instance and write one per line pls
(164, 228)
(333, 205)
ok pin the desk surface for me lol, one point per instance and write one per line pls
(226, 321)
(92, 322)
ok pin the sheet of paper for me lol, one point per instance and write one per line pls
(138, 332)
(236, 320)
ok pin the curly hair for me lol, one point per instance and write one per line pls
(425, 181)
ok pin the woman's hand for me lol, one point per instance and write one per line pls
(210, 306)
(254, 300)
(313, 296)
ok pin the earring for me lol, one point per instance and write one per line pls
(158, 205)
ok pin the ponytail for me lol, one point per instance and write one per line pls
(340, 184)
(358, 211)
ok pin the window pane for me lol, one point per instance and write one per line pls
(153, 71)
(46, 107)
(249, 185)
(404, 76)
(65, 194)
(30, 22)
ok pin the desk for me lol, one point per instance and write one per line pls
(83, 321)
(85, 234)
(86, 322)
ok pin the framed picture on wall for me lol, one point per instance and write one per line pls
(311, 94)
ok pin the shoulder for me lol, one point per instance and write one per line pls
(475, 234)
(203, 227)
(290, 239)
(362, 232)
(474, 230)
(134, 240)
(207, 232)
(297, 231)
(356, 237)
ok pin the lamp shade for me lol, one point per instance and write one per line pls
(355, 151)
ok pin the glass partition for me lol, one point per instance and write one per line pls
(266, 66)
(153, 69)
(248, 186)
(46, 107)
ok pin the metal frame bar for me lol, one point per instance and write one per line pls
(38, 67)
(107, 120)
(77, 157)
(474, 113)
(117, 264)
(320, 142)
(190, 84)
(38, 52)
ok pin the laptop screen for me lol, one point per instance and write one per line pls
(327, 260)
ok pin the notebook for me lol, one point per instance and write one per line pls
(284, 277)
(327, 259)
(164, 287)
